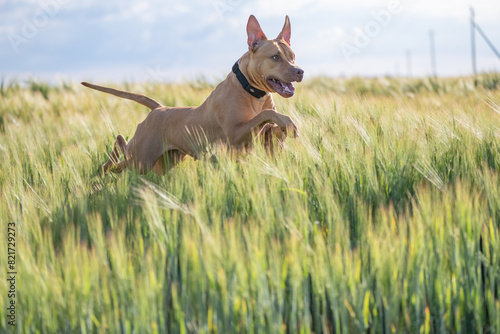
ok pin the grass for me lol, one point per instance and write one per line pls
(383, 217)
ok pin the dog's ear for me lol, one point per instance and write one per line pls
(254, 32)
(286, 32)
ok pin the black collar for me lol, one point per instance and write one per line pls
(255, 92)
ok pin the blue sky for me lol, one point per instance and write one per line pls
(168, 40)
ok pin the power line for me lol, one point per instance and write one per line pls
(487, 41)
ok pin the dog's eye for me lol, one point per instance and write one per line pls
(276, 57)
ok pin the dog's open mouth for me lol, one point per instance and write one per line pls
(282, 88)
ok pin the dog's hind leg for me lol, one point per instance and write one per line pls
(120, 167)
(120, 144)
(167, 161)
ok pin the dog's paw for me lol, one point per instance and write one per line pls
(288, 126)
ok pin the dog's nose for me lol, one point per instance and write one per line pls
(300, 73)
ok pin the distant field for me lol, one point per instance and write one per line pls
(383, 217)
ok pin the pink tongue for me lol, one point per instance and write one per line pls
(287, 88)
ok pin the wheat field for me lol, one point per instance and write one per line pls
(383, 217)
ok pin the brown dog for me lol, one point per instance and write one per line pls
(238, 107)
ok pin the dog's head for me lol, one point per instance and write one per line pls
(272, 62)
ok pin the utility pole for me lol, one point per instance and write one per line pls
(473, 40)
(433, 53)
(408, 63)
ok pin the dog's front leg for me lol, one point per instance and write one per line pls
(271, 134)
(241, 133)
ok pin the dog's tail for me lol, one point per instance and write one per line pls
(144, 100)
